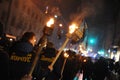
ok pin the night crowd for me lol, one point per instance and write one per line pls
(16, 59)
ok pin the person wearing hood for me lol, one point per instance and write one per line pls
(21, 56)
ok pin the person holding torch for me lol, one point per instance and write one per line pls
(52, 63)
(72, 28)
(44, 53)
(21, 57)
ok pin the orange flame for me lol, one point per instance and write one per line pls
(50, 22)
(72, 28)
(66, 55)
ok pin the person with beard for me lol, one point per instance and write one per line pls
(21, 56)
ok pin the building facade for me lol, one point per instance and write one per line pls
(19, 16)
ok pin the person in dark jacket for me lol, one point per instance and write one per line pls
(4, 64)
(46, 58)
(100, 69)
(87, 67)
(21, 56)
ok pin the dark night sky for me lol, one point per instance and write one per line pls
(103, 9)
(106, 8)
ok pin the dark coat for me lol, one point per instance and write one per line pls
(4, 64)
(46, 58)
(20, 59)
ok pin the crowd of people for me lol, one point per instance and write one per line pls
(16, 61)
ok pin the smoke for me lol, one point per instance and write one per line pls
(86, 9)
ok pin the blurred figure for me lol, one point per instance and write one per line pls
(117, 69)
(4, 58)
(3, 39)
(87, 67)
(100, 69)
(21, 56)
(72, 66)
(46, 57)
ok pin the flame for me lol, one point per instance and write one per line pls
(66, 55)
(50, 22)
(72, 28)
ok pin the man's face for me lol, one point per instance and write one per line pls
(33, 40)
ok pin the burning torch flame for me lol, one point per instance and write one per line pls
(72, 28)
(66, 55)
(50, 22)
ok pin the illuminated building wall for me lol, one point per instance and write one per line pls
(23, 15)
(3, 10)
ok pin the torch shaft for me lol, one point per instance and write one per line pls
(58, 54)
(43, 42)
(63, 68)
(35, 61)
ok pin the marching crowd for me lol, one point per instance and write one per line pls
(17, 58)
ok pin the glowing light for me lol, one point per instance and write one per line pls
(82, 50)
(66, 55)
(60, 25)
(109, 51)
(106, 55)
(46, 10)
(91, 41)
(55, 16)
(94, 55)
(90, 49)
(101, 52)
(11, 39)
(50, 22)
(72, 28)
(84, 60)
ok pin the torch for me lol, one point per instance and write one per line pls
(72, 28)
(66, 55)
(47, 31)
